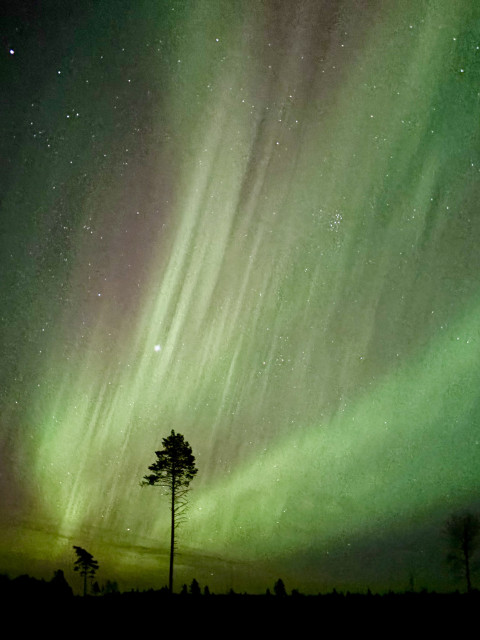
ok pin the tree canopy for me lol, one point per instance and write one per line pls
(174, 468)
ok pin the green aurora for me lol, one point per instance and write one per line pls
(255, 223)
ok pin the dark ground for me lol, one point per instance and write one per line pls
(32, 604)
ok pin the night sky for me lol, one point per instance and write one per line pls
(256, 223)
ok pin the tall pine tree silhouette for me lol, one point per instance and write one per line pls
(86, 565)
(173, 470)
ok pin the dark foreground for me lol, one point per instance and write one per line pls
(412, 614)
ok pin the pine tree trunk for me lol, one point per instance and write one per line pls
(172, 538)
(467, 572)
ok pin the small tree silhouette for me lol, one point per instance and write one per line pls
(111, 586)
(173, 470)
(59, 585)
(86, 565)
(462, 532)
(195, 588)
(279, 588)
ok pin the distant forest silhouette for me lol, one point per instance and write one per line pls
(25, 586)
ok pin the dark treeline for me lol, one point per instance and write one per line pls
(112, 611)
(25, 586)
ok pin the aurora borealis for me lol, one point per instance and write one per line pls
(256, 223)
